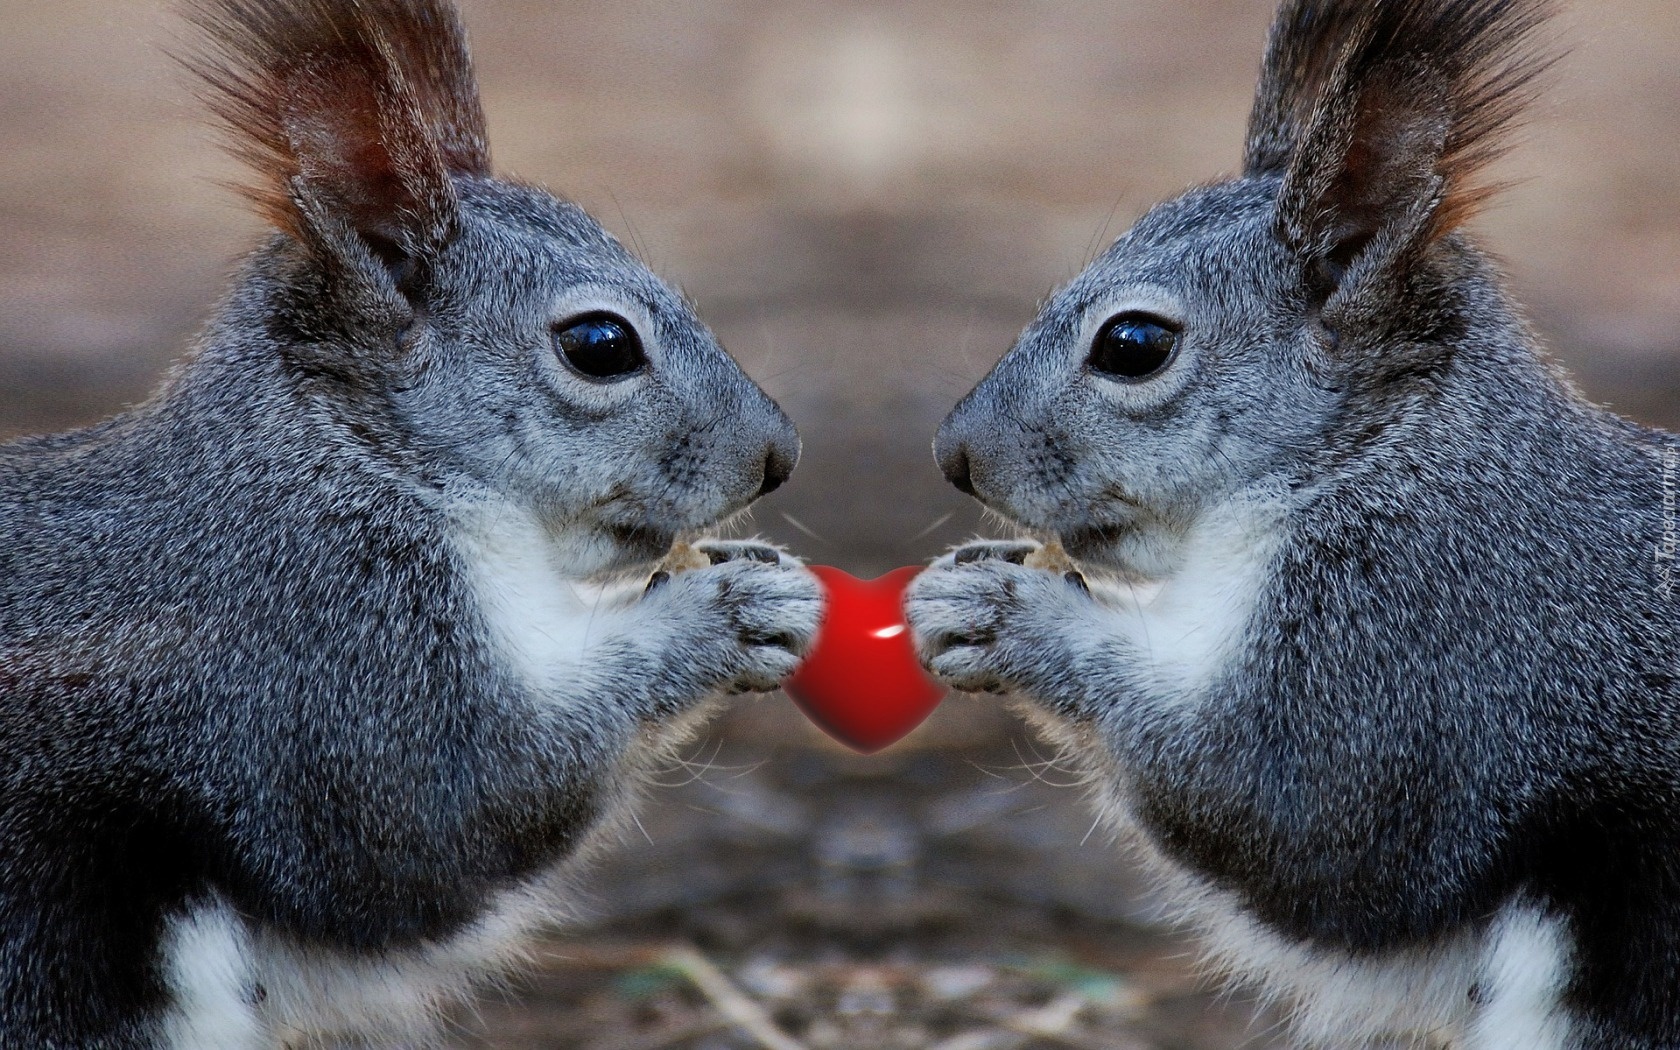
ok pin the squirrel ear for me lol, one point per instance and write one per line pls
(1369, 171)
(364, 160)
(350, 113)
(1381, 116)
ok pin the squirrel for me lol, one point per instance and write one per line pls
(322, 669)
(1370, 638)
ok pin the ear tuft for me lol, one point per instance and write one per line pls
(1307, 40)
(366, 106)
(1387, 112)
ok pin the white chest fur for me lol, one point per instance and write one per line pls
(543, 618)
(1186, 622)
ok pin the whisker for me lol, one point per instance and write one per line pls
(931, 528)
(801, 526)
(1092, 831)
(789, 370)
(640, 828)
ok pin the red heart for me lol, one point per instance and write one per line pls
(861, 683)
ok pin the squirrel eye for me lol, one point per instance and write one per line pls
(1133, 346)
(599, 346)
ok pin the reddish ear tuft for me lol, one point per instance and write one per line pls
(1388, 112)
(364, 106)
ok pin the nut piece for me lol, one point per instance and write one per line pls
(1051, 558)
(682, 558)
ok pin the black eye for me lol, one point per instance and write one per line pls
(599, 346)
(1133, 346)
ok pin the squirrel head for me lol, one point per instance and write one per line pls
(477, 335)
(1242, 335)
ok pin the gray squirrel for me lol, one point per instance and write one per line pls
(320, 669)
(1370, 630)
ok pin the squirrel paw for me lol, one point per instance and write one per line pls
(754, 606)
(985, 620)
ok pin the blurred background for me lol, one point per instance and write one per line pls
(866, 199)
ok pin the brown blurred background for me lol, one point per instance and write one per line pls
(866, 199)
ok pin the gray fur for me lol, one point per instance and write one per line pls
(1379, 650)
(259, 637)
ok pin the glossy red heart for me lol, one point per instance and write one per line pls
(861, 683)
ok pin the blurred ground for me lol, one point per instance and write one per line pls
(937, 897)
(866, 199)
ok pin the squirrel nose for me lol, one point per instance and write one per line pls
(779, 462)
(953, 460)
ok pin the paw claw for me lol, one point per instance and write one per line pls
(1015, 552)
(720, 552)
